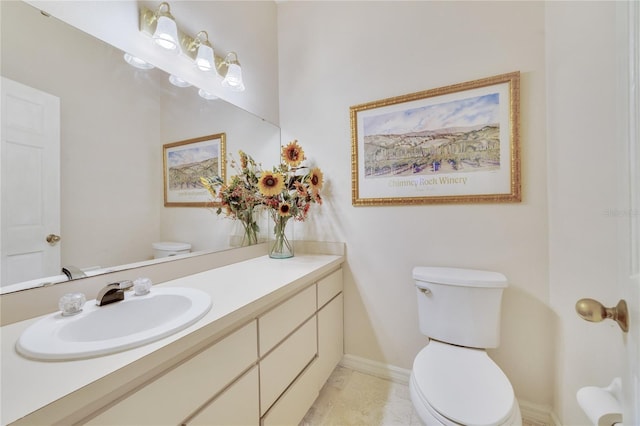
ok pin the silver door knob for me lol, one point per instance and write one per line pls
(594, 311)
(53, 239)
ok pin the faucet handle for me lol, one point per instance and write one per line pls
(142, 286)
(71, 303)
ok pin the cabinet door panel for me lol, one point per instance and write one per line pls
(237, 406)
(330, 337)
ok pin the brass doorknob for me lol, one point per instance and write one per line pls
(594, 311)
(53, 239)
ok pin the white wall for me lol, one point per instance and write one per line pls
(581, 130)
(337, 54)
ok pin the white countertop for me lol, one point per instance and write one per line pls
(237, 292)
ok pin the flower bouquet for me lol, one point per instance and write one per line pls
(240, 198)
(288, 192)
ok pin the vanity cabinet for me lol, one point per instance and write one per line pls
(295, 401)
(267, 372)
(175, 395)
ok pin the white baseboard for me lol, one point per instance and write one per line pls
(375, 368)
(533, 413)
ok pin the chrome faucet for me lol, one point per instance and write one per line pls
(113, 292)
(73, 272)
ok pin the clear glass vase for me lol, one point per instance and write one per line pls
(248, 231)
(280, 236)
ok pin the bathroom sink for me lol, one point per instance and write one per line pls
(103, 330)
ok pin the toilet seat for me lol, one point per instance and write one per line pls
(462, 386)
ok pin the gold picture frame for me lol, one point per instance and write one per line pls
(184, 162)
(453, 144)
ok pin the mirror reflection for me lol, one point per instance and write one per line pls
(113, 121)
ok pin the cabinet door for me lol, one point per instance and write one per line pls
(330, 337)
(236, 406)
(180, 392)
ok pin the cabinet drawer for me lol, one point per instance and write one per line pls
(295, 402)
(281, 366)
(329, 286)
(177, 394)
(276, 324)
(237, 405)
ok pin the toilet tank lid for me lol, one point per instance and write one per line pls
(460, 277)
(168, 245)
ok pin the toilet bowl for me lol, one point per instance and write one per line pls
(451, 385)
(453, 380)
(167, 248)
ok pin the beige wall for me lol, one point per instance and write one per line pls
(337, 54)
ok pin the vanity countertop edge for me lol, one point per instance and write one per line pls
(239, 293)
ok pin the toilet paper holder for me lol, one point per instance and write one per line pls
(594, 311)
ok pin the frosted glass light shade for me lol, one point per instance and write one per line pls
(204, 59)
(233, 79)
(178, 82)
(137, 62)
(166, 34)
(206, 95)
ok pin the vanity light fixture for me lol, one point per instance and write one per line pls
(178, 82)
(161, 26)
(137, 62)
(205, 59)
(207, 95)
(166, 33)
(233, 76)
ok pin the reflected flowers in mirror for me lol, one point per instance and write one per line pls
(240, 198)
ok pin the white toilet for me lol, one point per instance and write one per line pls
(454, 382)
(169, 248)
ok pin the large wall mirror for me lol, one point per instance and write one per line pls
(114, 121)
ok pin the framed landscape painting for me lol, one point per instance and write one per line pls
(454, 144)
(185, 162)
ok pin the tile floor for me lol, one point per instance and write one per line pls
(351, 398)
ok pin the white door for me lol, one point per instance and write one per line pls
(629, 201)
(30, 183)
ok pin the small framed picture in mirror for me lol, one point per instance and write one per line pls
(185, 162)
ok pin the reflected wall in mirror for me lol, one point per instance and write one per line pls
(114, 120)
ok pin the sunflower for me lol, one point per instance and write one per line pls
(293, 154)
(271, 184)
(316, 179)
(284, 209)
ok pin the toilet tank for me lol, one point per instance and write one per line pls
(460, 306)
